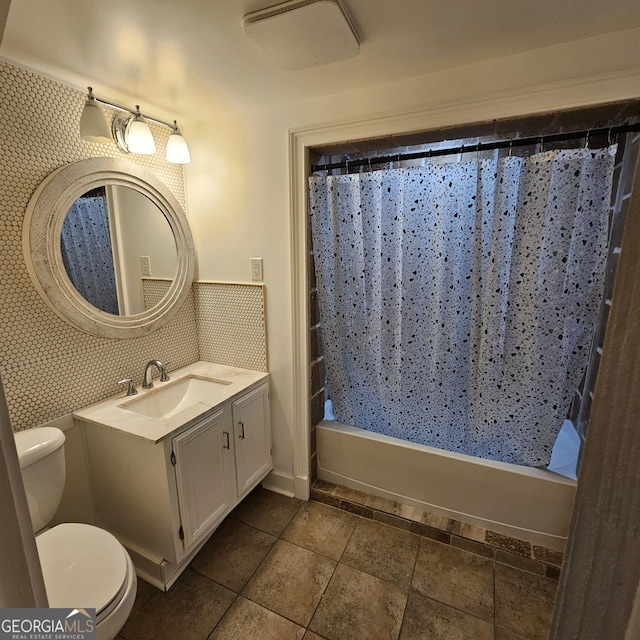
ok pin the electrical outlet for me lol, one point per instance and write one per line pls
(256, 269)
(145, 265)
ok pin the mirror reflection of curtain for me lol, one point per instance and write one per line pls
(86, 251)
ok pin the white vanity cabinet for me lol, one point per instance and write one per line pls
(252, 439)
(164, 499)
(204, 498)
(217, 466)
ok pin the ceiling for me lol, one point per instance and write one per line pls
(181, 52)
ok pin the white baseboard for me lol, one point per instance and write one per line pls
(283, 483)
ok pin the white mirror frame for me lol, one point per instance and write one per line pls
(41, 231)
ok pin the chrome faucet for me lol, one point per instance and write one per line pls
(148, 383)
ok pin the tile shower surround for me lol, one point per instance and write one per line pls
(49, 368)
(281, 569)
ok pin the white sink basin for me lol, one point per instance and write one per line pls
(169, 400)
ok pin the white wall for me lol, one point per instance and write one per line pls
(240, 193)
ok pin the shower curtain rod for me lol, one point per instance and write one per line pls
(481, 146)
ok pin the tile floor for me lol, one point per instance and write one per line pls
(280, 568)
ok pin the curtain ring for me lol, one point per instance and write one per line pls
(346, 164)
(510, 146)
(586, 139)
(609, 143)
(541, 144)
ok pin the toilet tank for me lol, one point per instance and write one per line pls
(41, 457)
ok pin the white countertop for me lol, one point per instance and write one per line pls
(113, 414)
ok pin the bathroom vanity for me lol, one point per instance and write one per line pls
(168, 464)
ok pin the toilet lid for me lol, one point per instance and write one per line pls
(83, 566)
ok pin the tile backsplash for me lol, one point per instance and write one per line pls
(231, 324)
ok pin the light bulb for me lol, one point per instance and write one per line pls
(138, 135)
(177, 149)
(93, 124)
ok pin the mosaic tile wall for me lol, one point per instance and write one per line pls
(153, 290)
(231, 324)
(49, 368)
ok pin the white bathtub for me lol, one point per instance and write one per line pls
(529, 504)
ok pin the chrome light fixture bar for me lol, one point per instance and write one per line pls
(129, 130)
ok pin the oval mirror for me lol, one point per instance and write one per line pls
(108, 247)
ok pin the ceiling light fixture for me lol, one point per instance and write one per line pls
(130, 130)
(300, 34)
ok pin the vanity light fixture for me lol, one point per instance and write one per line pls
(93, 124)
(132, 134)
(177, 149)
(129, 130)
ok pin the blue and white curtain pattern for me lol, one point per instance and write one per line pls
(458, 300)
(86, 252)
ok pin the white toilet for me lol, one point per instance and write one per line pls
(83, 566)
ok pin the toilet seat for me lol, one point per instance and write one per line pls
(83, 567)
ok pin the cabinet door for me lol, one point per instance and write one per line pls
(200, 478)
(252, 430)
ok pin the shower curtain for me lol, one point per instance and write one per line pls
(458, 300)
(86, 252)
